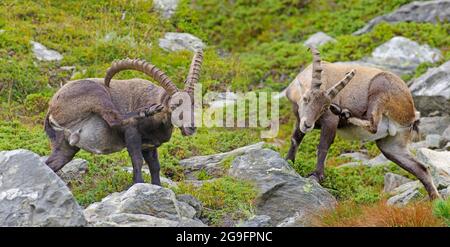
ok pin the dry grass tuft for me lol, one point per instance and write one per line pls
(350, 214)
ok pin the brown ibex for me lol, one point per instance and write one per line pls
(103, 116)
(376, 105)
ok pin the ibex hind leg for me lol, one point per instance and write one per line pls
(395, 149)
(62, 152)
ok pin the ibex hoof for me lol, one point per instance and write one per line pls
(318, 176)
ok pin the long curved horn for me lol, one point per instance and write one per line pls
(194, 72)
(147, 68)
(334, 90)
(316, 69)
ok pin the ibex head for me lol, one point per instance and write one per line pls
(316, 101)
(176, 97)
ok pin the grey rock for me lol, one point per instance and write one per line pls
(400, 55)
(392, 181)
(427, 105)
(212, 164)
(405, 193)
(42, 53)
(445, 193)
(186, 222)
(358, 156)
(256, 221)
(186, 210)
(31, 194)
(377, 161)
(446, 147)
(351, 164)
(419, 144)
(142, 220)
(439, 163)
(282, 193)
(166, 7)
(404, 198)
(433, 125)
(133, 220)
(73, 170)
(193, 202)
(433, 141)
(141, 200)
(446, 135)
(318, 39)
(435, 82)
(180, 41)
(413, 185)
(418, 11)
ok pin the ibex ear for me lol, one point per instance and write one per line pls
(333, 91)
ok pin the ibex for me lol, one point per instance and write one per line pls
(367, 104)
(104, 116)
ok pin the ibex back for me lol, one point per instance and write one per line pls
(367, 104)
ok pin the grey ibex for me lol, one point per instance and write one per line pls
(376, 105)
(103, 116)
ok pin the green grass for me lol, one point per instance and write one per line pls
(226, 200)
(441, 209)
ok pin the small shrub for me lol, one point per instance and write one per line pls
(441, 209)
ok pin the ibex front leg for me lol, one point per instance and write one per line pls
(134, 146)
(296, 139)
(151, 157)
(328, 123)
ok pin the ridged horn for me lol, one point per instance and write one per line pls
(316, 69)
(194, 72)
(142, 66)
(333, 91)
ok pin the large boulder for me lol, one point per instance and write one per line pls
(180, 41)
(419, 11)
(318, 39)
(142, 205)
(428, 105)
(400, 56)
(283, 195)
(435, 82)
(42, 53)
(405, 193)
(392, 181)
(213, 164)
(166, 7)
(431, 91)
(31, 194)
(439, 162)
(433, 125)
